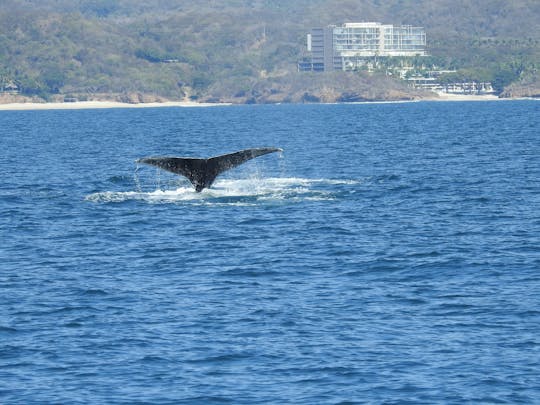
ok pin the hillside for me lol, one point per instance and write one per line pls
(239, 50)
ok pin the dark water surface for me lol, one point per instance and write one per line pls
(390, 255)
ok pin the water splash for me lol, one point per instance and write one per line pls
(250, 191)
(136, 177)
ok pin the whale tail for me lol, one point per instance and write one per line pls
(202, 172)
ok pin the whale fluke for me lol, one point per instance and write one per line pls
(202, 172)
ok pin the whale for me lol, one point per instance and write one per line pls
(202, 172)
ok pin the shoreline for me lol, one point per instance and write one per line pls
(81, 105)
(465, 97)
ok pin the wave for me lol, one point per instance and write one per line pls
(235, 192)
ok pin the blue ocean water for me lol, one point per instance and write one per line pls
(391, 254)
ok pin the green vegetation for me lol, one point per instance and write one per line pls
(227, 49)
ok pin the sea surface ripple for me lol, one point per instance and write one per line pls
(391, 254)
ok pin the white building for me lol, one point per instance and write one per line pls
(347, 46)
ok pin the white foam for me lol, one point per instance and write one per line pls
(234, 192)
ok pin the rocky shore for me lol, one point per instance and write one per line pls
(287, 88)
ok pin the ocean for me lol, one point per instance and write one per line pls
(390, 254)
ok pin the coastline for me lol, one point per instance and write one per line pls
(465, 97)
(81, 105)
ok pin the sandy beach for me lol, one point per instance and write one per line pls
(113, 104)
(97, 104)
(465, 97)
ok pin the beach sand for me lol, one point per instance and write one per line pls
(79, 105)
(113, 104)
(465, 97)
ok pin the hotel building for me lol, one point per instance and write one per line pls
(346, 47)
